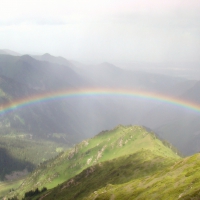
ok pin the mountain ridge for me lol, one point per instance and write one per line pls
(108, 145)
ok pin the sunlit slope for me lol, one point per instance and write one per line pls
(109, 174)
(180, 181)
(105, 146)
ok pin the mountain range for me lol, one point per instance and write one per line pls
(25, 76)
(57, 103)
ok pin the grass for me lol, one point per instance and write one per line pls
(17, 153)
(7, 186)
(109, 174)
(108, 145)
(33, 151)
(179, 181)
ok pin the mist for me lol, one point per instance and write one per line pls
(95, 32)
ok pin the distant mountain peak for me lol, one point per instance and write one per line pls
(53, 59)
(47, 55)
(27, 57)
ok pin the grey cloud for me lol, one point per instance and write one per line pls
(175, 20)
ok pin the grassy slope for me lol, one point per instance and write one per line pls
(104, 175)
(28, 150)
(7, 186)
(18, 153)
(105, 146)
(180, 181)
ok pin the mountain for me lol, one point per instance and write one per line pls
(85, 114)
(23, 77)
(114, 148)
(177, 125)
(179, 181)
(39, 130)
(100, 178)
(137, 167)
(53, 59)
(44, 125)
(39, 75)
(20, 153)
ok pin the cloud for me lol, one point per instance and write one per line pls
(150, 30)
(33, 21)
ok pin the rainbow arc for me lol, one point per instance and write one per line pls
(94, 92)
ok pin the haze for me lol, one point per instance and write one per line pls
(113, 31)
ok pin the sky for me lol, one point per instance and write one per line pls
(103, 30)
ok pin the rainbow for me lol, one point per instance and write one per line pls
(94, 92)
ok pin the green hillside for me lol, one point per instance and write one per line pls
(140, 176)
(18, 153)
(117, 144)
(147, 174)
(108, 174)
(180, 181)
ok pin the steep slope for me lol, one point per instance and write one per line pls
(19, 152)
(22, 77)
(142, 175)
(108, 145)
(114, 172)
(180, 181)
(53, 59)
(39, 75)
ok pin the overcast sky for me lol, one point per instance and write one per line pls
(103, 30)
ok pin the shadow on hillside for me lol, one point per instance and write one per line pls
(112, 173)
(9, 164)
